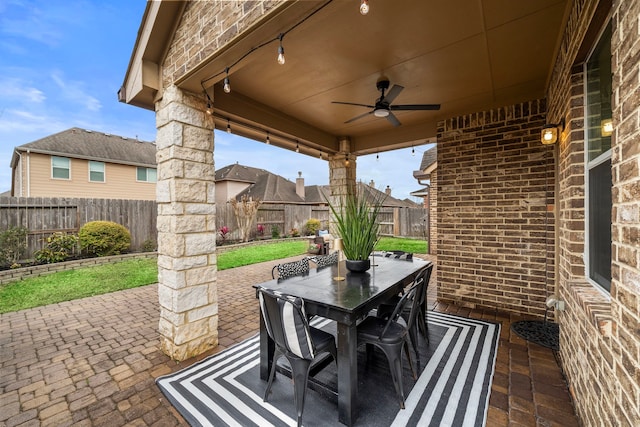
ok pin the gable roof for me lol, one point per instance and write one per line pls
(90, 145)
(428, 164)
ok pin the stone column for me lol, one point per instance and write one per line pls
(186, 225)
(342, 175)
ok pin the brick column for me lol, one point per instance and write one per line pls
(186, 226)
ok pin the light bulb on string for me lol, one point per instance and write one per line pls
(413, 151)
(364, 7)
(320, 154)
(227, 85)
(377, 157)
(281, 51)
(209, 109)
(268, 141)
(297, 147)
(228, 126)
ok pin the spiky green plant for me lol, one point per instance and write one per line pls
(357, 223)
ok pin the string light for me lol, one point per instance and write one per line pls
(346, 160)
(377, 157)
(209, 109)
(227, 85)
(228, 126)
(364, 7)
(281, 50)
(413, 151)
(268, 141)
(320, 154)
(297, 147)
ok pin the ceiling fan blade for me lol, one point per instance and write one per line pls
(393, 119)
(359, 117)
(409, 107)
(353, 103)
(393, 93)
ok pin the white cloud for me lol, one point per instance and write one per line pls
(74, 92)
(14, 89)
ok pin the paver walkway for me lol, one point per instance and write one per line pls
(93, 362)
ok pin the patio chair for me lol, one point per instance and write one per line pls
(287, 325)
(289, 269)
(391, 337)
(325, 260)
(420, 324)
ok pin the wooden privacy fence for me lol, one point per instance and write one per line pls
(43, 216)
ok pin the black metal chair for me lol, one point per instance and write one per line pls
(287, 325)
(325, 260)
(289, 269)
(420, 324)
(390, 336)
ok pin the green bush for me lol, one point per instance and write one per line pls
(104, 238)
(275, 232)
(149, 245)
(59, 247)
(13, 244)
(311, 226)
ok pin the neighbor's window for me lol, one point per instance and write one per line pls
(146, 174)
(60, 167)
(96, 171)
(598, 158)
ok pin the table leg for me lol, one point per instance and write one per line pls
(347, 373)
(267, 348)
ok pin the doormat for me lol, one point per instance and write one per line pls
(546, 334)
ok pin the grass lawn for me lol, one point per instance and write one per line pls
(89, 281)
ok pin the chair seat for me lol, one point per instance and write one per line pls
(371, 328)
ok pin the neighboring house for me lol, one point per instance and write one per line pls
(428, 176)
(235, 181)
(84, 163)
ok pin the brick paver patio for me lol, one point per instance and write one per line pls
(93, 362)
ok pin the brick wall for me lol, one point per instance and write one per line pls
(495, 233)
(599, 340)
(433, 213)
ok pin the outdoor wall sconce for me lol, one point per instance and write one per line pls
(606, 127)
(550, 132)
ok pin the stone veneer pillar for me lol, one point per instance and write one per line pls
(342, 175)
(186, 226)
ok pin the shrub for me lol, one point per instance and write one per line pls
(103, 238)
(59, 247)
(13, 244)
(148, 245)
(294, 232)
(275, 232)
(311, 226)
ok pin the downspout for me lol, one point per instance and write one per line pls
(28, 180)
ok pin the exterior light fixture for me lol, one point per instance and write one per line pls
(364, 7)
(227, 85)
(606, 127)
(281, 50)
(550, 133)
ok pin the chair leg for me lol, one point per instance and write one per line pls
(300, 368)
(413, 372)
(394, 356)
(272, 374)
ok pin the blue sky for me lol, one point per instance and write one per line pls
(63, 61)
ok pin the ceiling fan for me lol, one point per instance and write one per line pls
(383, 107)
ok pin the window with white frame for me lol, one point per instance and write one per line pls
(96, 171)
(60, 167)
(598, 88)
(146, 174)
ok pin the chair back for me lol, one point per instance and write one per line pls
(325, 260)
(408, 297)
(422, 279)
(286, 323)
(289, 269)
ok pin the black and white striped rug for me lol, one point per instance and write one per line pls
(452, 389)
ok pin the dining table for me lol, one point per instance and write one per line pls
(346, 297)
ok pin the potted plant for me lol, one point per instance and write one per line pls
(357, 225)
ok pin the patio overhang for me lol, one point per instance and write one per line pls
(468, 56)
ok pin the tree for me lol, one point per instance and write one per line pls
(246, 210)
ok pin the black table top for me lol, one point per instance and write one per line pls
(358, 292)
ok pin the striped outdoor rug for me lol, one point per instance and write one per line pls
(452, 388)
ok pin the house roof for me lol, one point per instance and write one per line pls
(91, 145)
(428, 164)
(272, 188)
